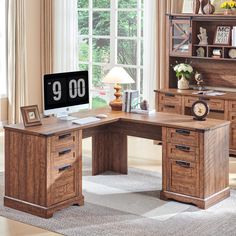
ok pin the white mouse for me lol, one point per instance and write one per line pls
(101, 116)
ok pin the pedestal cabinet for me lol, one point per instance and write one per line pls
(43, 174)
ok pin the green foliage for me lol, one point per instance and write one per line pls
(101, 3)
(82, 3)
(98, 102)
(101, 23)
(127, 23)
(127, 4)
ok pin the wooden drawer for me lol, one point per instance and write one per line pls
(232, 105)
(64, 156)
(176, 109)
(232, 117)
(233, 136)
(188, 101)
(184, 178)
(216, 104)
(183, 137)
(64, 183)
(64, 140)
(182, 152)
(169, 99)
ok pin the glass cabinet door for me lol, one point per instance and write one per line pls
(180, 38)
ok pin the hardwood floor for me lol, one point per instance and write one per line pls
(148, 158)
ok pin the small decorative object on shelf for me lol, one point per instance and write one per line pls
(209, 9)
(232, 53)
(234, 36)
(229, 7)
(200, 52)
(183, 73)
(217, 53)
(144, 105)
(196, 6)
(201, 7)
(200, 110)
(30, 115)
(222, 36)
(203, 38)
(199, 80)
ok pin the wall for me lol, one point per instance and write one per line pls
(3, 110)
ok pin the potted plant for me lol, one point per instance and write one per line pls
(229, 7)
(183, 73)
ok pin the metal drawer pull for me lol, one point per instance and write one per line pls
(169, 95)
(64, 136)
(183, 132)
(65, 151)
(169, 106)
(183, 164)
(182, 148)
(64, 168)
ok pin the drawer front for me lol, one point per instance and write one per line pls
(188, 101)
(182, 152)
(64, 156)
(64, 184)
(184, 178)
(216, 104)
(233, 136)
(63, 140)
(175, 109)
(169, 99)
(182, 136)
(232, 105)
(232, 117)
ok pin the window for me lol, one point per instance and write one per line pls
(2, 48)
(110, 34)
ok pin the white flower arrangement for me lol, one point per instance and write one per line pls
(183, 69)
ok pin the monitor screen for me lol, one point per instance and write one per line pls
(65, 91)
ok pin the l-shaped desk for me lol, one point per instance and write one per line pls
(43, 164)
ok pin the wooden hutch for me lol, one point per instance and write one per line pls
(218, 73)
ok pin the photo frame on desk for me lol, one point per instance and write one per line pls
(30, 115)
(222, 35)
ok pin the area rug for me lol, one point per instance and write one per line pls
(129, 205)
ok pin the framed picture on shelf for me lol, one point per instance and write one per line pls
(222, 35)
(30, 115)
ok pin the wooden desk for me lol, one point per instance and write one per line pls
(43, 165)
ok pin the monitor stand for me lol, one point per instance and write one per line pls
(65, 116)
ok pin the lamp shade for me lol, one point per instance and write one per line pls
(118, 75)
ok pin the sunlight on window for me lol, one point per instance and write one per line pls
(2, 48)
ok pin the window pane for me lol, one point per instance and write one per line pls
(127, 4)
(142, 24)
(101, 3)
(127, 52)
(83, 22)
(141, 82)
(84, 50)
(141, 56)
(101, 23)
(83, 67)
(97, 76)
(133, 73)
(101, 50)
(127, 23)
(83, 3)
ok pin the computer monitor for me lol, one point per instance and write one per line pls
(65, 93)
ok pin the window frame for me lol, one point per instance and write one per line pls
(113, 37)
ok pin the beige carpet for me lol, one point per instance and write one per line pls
(130, 205)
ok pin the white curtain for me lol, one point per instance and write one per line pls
(65, 35)
(17, 60)
(150, 49)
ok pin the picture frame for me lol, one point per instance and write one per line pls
(222, 35)
(30, 115)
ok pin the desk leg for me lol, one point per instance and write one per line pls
(109, 153)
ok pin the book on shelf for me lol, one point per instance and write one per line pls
(130, 100)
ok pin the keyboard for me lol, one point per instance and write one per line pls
(86, 120)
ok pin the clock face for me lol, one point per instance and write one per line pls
(200, 110)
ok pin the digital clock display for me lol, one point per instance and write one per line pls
(66, 89)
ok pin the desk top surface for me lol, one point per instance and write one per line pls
(52, 125)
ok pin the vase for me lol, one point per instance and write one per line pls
(228, 12)
(183, 83)
(209, 9)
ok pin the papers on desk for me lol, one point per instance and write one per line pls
(209, 93)
(144, 112)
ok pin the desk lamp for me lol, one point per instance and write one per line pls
(117, 76)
